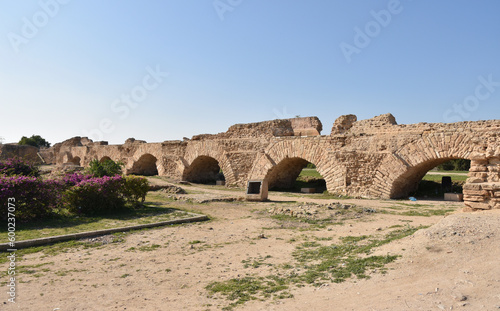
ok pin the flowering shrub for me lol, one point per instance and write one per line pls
(35, 198)
(80, 193)
(15, 166)
(71, 179)
(135, 189)
(96, 195)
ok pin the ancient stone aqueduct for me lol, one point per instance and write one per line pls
(374, 158)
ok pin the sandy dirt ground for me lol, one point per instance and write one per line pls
(454, 264)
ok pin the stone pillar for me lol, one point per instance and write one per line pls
(482, 189)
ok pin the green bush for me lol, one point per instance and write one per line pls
(135, 189)
(96, 196)
(105, 168)
(34, 140)
(105, 195)
(455, 165)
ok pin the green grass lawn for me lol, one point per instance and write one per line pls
(310, 172)
(154, 210)
(437, 178)
(456, 172)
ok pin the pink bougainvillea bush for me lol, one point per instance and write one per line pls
(78, 193)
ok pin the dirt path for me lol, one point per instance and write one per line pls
(453, 264)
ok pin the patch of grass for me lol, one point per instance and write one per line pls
(65, 272)
(32, 269)
(144, 248)
(151, 212)
(195, 242)
(428, 212)
(248, 288)
(286, 221)
(310, 172)
(438, 177)
(407, 209)
(323, 238)
(256, 263)
(318, 264)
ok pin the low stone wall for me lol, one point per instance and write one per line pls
(28, 153)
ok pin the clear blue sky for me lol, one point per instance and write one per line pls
(67, 67)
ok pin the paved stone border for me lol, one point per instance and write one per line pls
(74, 236)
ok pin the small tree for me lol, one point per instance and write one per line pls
(106, 168)
(34, 140)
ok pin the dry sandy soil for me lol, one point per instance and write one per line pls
(452, 265)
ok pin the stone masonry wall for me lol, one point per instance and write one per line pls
(374, 158)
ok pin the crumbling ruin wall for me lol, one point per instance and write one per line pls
(374, 158)
(28, 153)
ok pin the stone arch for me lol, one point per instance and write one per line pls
(104, 158)
(145, 165)
(408, 182)
(202, 150)
(284, 174)
(76, 161)
(284, 160)
(401, 171)
(203, 170)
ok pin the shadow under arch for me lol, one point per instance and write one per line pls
(409, 181)
(203, 170)
(104, 159)
(283, 176)
(145, 165)
(76, 161)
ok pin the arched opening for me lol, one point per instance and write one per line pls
(76, 161)
(146, 166)
(204, 170)
(296, 175)
(104, 159)
(431, 179)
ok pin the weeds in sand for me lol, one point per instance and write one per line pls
(248, 288)
(256, 263)
(144, 248)
(65, 272)
(315, 264)
(406, 209)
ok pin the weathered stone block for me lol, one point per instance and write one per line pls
(474, 180)
(475, 192)
(478, 168)
(257, 190)
(477, 206)
(457, 197)
(308, 190)
(474, 198)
